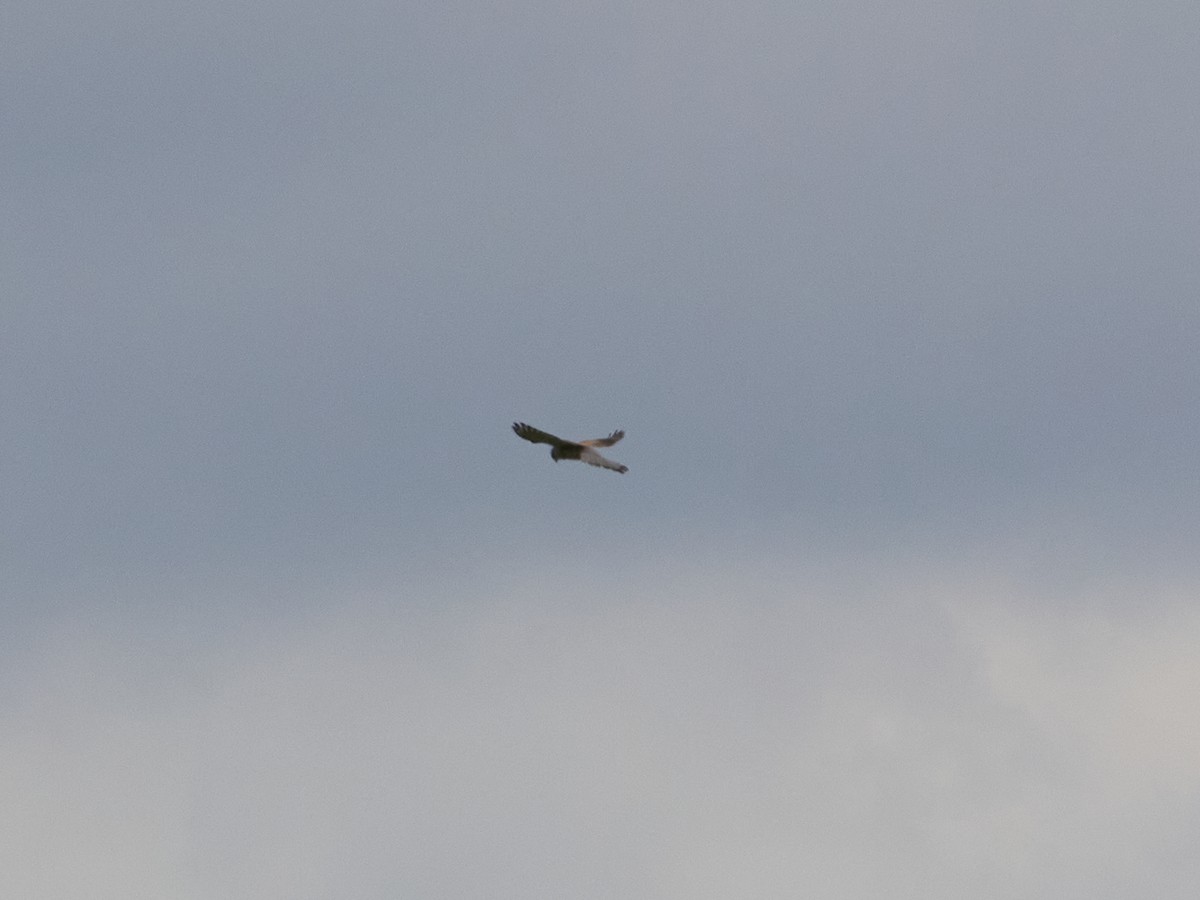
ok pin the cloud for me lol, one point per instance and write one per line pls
(1111, 689)
(753, 730)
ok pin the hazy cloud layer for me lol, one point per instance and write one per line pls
(685, 732)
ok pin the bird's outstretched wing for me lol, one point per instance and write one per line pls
(535, 436)
(604, 442)
(592, 458)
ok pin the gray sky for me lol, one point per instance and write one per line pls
(898, 304)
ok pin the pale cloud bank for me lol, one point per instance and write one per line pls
(755, 732)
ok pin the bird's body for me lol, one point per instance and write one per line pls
(584, 451)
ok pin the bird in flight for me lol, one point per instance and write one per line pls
(582, 450)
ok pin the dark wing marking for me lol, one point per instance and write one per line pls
(535, 436)
(604, 442)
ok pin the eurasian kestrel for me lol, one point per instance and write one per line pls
(581, 450)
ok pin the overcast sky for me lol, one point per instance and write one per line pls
(898, 303)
